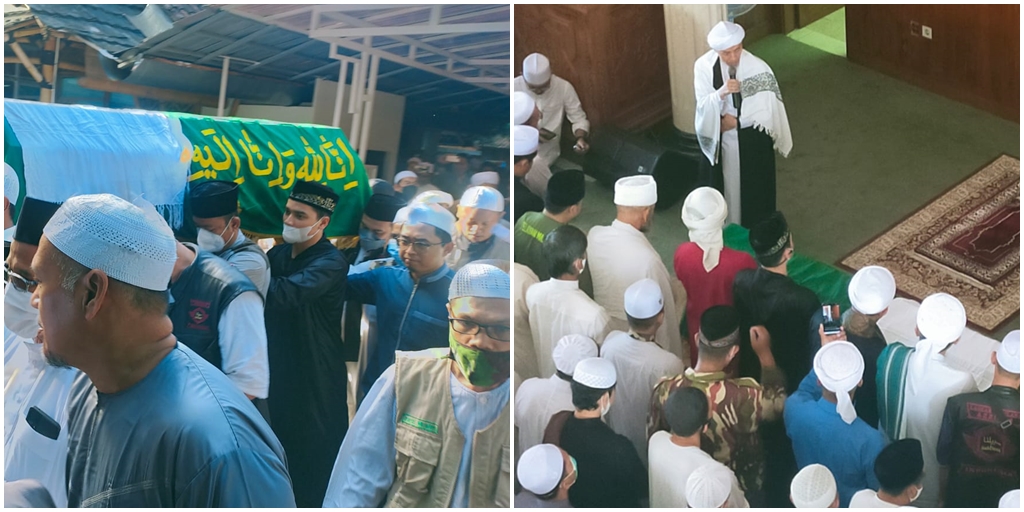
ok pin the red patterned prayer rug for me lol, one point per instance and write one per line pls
(965, 243)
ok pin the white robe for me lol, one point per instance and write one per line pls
(639, 365)
(869, 499)
(761, 108)
(558, 308)
(620, 255)
(524, 348)
(558, 102)
(671, 465)
(536, 401)
(537, 179)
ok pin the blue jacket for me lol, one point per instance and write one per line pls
(410, 316)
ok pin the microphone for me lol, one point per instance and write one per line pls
(736, 99)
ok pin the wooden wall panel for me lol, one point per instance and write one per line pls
(614, 55)
(973, 56)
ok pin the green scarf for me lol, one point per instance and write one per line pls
(482, 368)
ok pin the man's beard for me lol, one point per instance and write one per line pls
(55, 360)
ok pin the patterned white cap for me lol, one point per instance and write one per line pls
(403, 175)
(572, 349)
(434, 197)
(523, 106)
(643, 299)
(484, 178)
(536, 69)
(813, 487)
(941, 318)
(872, 289)
(433, 215)
(12, 187)
(640, 190)
(481, 281)
(709, 486)
(524, 140)
(131, 244)
(595, 372)
(540, 468)
(1010, 500)
(484, 198)
(840, 367)
(1008, 354)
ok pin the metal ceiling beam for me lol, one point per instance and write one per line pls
(393, 73)
(476, 46)
(281, 15)
(483, 12)
(237, 44)
(407, 90)
(449, 95)
(484, 80)
(489, 62)
(459, 28)
(321, 69)
(465, 103)
(357, 7)
(187, 31)
(396, 12)
(280, 55)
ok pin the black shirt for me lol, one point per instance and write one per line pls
(866, 398)
(610, 471)
(525, 200)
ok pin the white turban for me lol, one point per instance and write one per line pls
(434, 197)
(704, 213)
(639, 190)
(480, 280)
(595, 372)
(485, 178)
(725, 35)
(524, 140)
(643, 299)
(872, 289)
(1008, 354)
(536, 69)
(12, 188)
(709, 486)
(840, 367)
(941, 319)
(483, 198)
(572, 349)
(403, 175)
(813, 487)
(1010, 500)
(523, 105)
(540, 468)
(432, 215)
(132, 244)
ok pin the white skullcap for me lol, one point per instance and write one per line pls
(1010, 500)
(595, 372)
(481, 281)
(483, 198)
(725, 35)
(704, 213)
(524, 140)
(572, 349)
(403, 175)
(485, 178)
(523, 106)
(12, 188)
(709, 486)
(433, 197)
(839, 366)
(640, 190)
(1008, 354)
(872, 289)
(105, 232)
(536, 69)
(402, 215)
(643, 299)
(433, 215)
(941, 319)
(813, 487)
(540, 468)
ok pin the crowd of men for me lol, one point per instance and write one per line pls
(143, 370)
(717, 384)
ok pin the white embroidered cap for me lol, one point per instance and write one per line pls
(595, 372)
(524, 140)
(640, 190)
(872, 289)
(483, 198)
(643, 299)
(523, 106)
(1008, 354)
(572, 349)
(540, 468)
(536, 69)
(813, 487)
(481, 281)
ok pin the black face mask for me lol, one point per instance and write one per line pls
(408, 192)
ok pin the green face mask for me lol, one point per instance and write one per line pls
(480, 367)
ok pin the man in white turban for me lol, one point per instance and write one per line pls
(704, 265)
(524, 148)
(871, 291)
(915, 384)
(556, 98)
(620, 255)
(527, 114)
(814, 487)
(740, 122)
(148, 413)
(821, 412)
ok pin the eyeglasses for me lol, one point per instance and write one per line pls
(417, 245)
(496, 332)
(19, 282)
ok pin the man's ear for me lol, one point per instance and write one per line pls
(448, 248)
(95, 292)
(236, 222)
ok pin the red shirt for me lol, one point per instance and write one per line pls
(705, 289)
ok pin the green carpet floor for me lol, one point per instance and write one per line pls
(867, 150)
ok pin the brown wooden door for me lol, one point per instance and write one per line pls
(809, 13)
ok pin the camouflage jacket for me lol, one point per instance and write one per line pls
(738, 407)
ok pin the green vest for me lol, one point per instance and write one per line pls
(428, 444)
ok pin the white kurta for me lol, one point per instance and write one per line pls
(620, 255)
(537, 179)
(671, 465)
(708, 98)
(525, 352)
(923, 413)
(869, 499)
(639, 365)
(536, 401)
(558, 102)
(558, 308)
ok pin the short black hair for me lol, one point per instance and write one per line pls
(717, 323)
(443, 235)
(562, 246)
(899, 465)
(530, 157)
(686, 410)
(765, 236)
(585, 398)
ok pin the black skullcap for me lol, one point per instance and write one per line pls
(315, 194)
(686, 411)
(566, 188)
(900, 464)
(770, 236)
(382, 187)
(34, 215)
(717, 323)
(214, 199)
(382, 207)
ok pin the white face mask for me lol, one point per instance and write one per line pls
(918, 495)
(583, 265)
(604, 408)
(19, 315)
(294, 235)
(210, 241)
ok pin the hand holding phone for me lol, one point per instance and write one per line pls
(833, 322)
